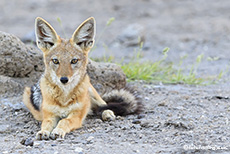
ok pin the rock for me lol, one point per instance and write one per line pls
(120, 118)
(178, 124)
(98, 121)
(136, 151)
(136, 121)
(90, 139)
(27, 142)
(132, 35)
(9, 85)
(38, 143)
(106, 76)
(17, 59)
(145, 124)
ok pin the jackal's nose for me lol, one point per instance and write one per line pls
(64, 80)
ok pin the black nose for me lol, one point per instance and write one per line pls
(64, 80)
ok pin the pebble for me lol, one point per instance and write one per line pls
(27, 142)
(60, 139)
(37, 143)
(89, 139)
(136, 151)
(136, 121)
(98, 121)
(119, 118)
(145, 124)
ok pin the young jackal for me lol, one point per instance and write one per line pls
(63, 96)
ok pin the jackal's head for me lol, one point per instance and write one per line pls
(65, 60)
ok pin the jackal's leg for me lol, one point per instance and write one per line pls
(72, 122)
(48, 124)
(96, 101)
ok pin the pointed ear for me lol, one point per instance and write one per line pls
(46, 37)
(85, 33)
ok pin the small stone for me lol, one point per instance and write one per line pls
(23, 141)
(98, 121)
(60, 139)
(53, 145)
(119, 118)
(145, 124)
(136, 151)
(90, 139)
(162, 104)
(27, 142)
(180, 108)
(37, 143)
(136, 121)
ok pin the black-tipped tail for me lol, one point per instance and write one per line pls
(122, 102)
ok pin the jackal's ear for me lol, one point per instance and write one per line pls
(46, 37)
(85, 33)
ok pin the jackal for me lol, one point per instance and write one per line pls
(63, 96)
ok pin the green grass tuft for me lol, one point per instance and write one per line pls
(160, 71)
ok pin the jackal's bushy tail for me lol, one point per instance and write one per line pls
(27, 100)
(123, 102)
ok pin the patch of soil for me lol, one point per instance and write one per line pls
(175, 117)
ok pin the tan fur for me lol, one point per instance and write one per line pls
(64, 106)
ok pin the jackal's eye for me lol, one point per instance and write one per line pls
(74, 61)
(55, 61)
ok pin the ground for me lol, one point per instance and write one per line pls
(177, 118)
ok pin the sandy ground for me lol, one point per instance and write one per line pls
(177, 118)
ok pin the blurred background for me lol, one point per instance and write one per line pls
(188, 27)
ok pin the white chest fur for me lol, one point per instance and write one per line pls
(63, 112)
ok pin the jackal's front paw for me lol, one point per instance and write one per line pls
(57, 133)
(43, 135)
(108, 115)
